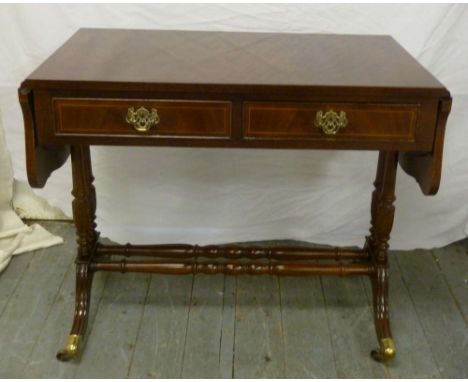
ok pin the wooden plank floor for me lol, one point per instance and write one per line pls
(159, 326)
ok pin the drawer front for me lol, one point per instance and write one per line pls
(166, 118)
(339, 121)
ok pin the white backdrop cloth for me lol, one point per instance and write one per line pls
(214, 195)
(15, 236)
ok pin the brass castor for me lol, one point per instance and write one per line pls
(72, 348)
(386, 351)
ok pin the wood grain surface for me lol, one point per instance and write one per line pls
(117, 58)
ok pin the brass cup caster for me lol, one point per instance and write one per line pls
(386, 352)
(72, 348)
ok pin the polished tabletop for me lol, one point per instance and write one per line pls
(110, 57)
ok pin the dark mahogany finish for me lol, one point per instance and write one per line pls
(107, 117)
(366, 122)
(218, 89)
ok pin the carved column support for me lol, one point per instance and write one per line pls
(382, 215)
(84, 202)
(84, 215)
(370, 240)
(384, 209)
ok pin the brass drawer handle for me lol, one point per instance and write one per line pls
(142, 119)
(330, 122)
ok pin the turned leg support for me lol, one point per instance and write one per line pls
(84, 209)
(382, 214)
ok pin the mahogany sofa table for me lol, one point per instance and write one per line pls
(234, 90)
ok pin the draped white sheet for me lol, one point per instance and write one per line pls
(15, 236)
(213, 195)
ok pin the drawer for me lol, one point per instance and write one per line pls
(134, 117)
(337, 121)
